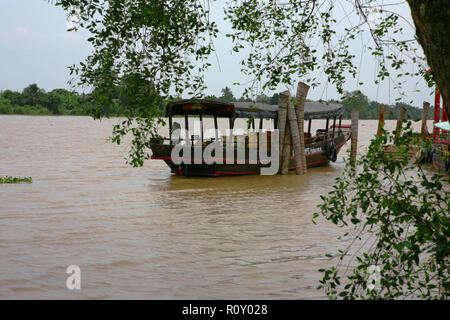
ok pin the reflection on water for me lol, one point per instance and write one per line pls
(143, 233)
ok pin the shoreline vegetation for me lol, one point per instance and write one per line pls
(36, 101)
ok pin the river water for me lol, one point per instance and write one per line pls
(141, 233)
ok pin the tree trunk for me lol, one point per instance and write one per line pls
(431, 19)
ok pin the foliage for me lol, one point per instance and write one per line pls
(35, 101)
(401, 223)
(227, 95)
(64, 102)
(32, 95)
(164, 47)
(9, 179)
(369, 109)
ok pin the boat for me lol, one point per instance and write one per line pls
(321, 148)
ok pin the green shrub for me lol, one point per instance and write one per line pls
(400, 216)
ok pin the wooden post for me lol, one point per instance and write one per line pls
(302, 92)
(216, 128)
(286, 156)
(381, 117)
(334, 126)
(201, 126)
(170, 125)
(401, 116)
(282, 116)
(186, 127)
(426, 107)
(293, 125)
(354, 128)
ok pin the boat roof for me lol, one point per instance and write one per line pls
(313, 109)
(444, 125)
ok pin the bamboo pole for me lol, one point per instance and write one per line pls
(401, 116)
(302, 92)
(381, 117)
(293, 125)
(426, 107)
(354, 129)
(282, 116)
(286, 157)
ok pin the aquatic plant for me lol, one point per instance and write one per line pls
(9, 179)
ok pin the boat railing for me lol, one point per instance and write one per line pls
(321, 139)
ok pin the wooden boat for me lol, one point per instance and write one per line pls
(320, 149)
(414, 154)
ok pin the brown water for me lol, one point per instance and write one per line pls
(143, 233)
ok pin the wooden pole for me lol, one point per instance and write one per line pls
(381, 117)
(281, 123)
(334, 126)
(286, 157)
(170, 125)
(201, 126)
(401, 116)
(302, 92)
(216, 128)
(354, 128)
(186, 127)
(426, 107)
(293, 125)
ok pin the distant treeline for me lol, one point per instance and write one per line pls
(36, 101)
(351, 100)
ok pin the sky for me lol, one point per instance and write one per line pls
(35, 47)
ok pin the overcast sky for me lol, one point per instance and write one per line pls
(36, 48)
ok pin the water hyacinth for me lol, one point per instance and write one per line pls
(9, 179)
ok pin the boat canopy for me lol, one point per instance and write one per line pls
(444, 125)
(313, 110)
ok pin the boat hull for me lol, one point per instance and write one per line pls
(314, 158)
